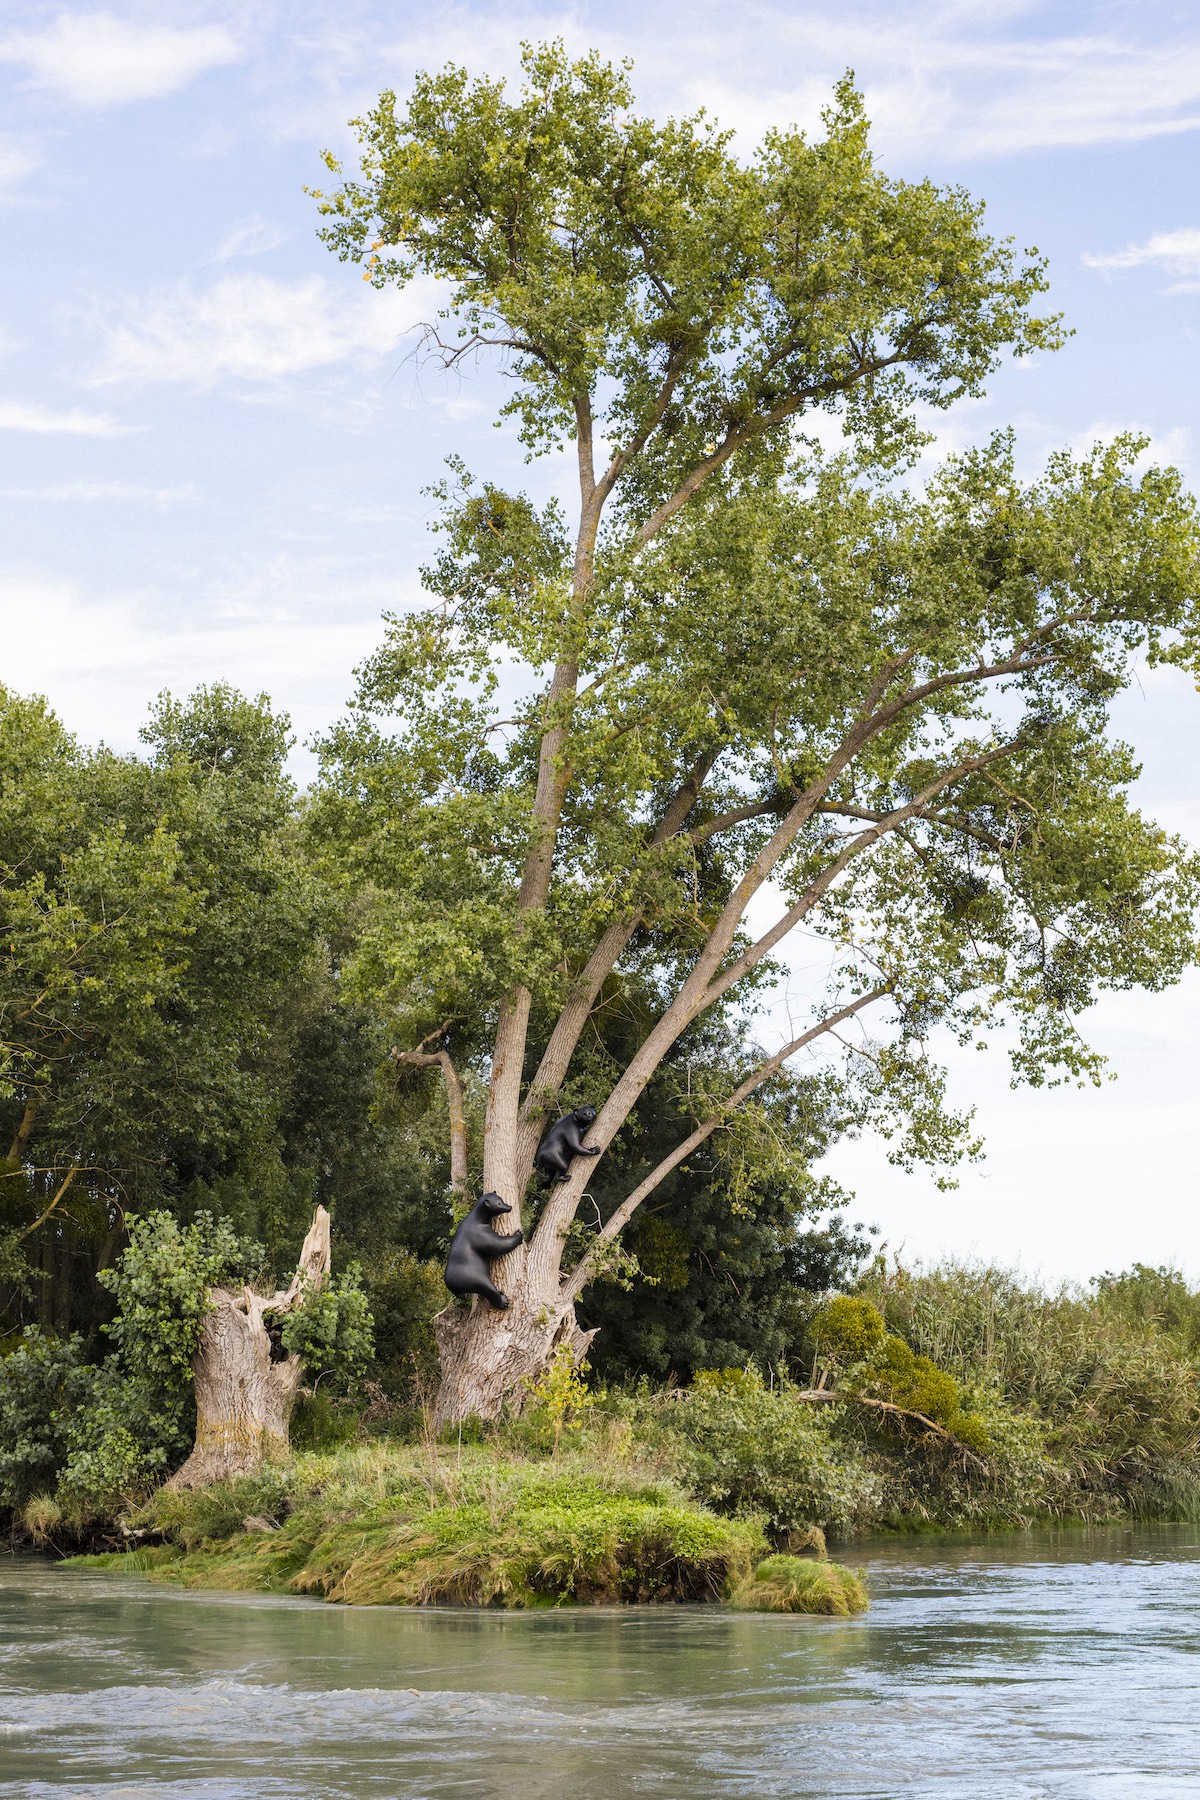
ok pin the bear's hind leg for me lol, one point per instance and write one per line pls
(491, 1293)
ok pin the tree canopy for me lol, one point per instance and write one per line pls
(741, 688)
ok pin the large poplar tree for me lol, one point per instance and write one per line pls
(737, 690)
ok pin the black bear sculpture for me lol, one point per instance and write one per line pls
(475, 1246)
(563, 1141)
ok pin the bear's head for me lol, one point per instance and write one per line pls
(491, 1205)
(585, 1115)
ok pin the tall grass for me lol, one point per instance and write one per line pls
(1112, 1372)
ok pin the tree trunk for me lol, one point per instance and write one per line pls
(246, 1383)
(488, 1357)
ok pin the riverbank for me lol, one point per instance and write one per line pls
(425, 1524)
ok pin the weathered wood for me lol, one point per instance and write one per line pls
(246, 1384)
(489, 1358)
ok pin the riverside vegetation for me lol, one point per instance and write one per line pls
(742, 666)
(932, 1399)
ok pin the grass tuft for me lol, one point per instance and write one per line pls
(797, 1584)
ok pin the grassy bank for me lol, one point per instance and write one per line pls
(419, 1525)
(943, 1399)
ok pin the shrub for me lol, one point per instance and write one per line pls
(849, 1330)
(321, 1423)
(42, 1382)
(852, 1342)
(331, 1329)
(747, 1449)
(404, 1293)
(139, 1418)
(559, 1399)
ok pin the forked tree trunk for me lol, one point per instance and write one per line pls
(489, 1358)
(246, 1384)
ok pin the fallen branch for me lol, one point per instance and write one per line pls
(840, 1397)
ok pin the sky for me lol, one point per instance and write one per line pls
(214, 439)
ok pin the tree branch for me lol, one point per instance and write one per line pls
(17, 1148)
(837, 1397)
(556, 1057)
(738, 435)
(863, 840)
(420, 1058)
(620, 1218)
(38, 1223)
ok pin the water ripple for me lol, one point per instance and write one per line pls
(1049, 1667)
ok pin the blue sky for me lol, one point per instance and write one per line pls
(214, 438)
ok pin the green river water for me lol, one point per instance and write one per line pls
(1059, 1664)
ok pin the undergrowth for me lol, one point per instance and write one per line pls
(412, 1526)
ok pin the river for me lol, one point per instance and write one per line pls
(1057, 1664)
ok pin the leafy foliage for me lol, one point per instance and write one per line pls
(853, 1344)
(43, 1382)
(754, 1449)
(744, 661)
(150, 917)
(140, 1415)
(559, 1400)
(331, 1328)
(1109, 1382)
(161, 1285)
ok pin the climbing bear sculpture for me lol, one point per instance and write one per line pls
(475, 1246)
(563, 1141)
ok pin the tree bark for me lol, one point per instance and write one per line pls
(489, 1357)
(246, 1384)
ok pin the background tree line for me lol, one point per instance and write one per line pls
(178, 1038)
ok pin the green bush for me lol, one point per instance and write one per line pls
(852, 1342)
(404, 1293)
(140, 1417)
(849, 1330)
(331, 1330)
(320, 1423)
(747, 1449)
(42, 1383)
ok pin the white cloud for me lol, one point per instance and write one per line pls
(17, 160)
(101, 490)
(21, 415)
(95, 59)
(957, 80)
(254, 237)
(101, 658)
(1175, 249)
(1178, 252)
(250, 328)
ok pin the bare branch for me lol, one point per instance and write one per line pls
(420, 1058)
(837, 1397)
(738, 815)
(38, 1223)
